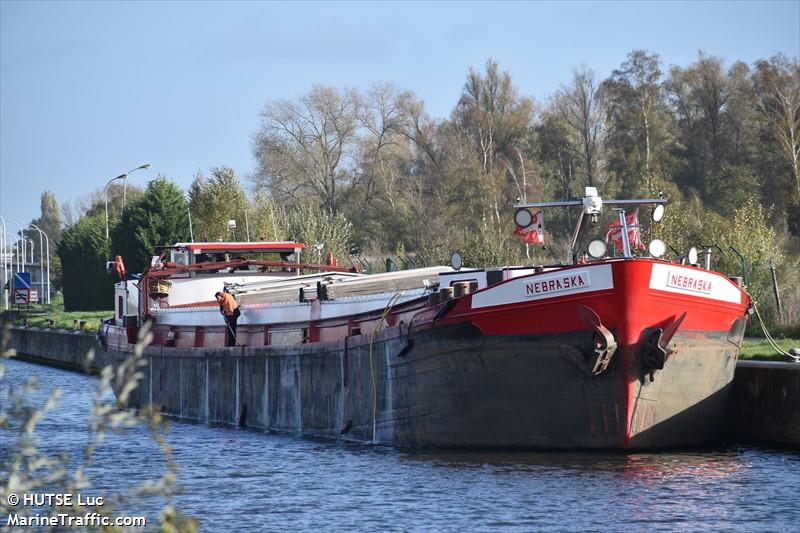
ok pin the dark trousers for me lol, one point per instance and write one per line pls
(230, 334)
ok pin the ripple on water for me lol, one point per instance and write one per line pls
(256, 481)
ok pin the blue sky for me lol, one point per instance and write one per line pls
(89, 90)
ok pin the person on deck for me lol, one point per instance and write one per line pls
(230, 311)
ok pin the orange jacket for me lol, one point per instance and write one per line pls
(227, 303)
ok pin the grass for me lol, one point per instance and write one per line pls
(54, 316)
(760, 349)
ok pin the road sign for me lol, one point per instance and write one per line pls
(22, 280)
(22, 296)
(34, 295)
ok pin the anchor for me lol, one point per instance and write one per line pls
(604, 343)
(655, 350)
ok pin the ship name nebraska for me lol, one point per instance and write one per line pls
(689, 282)
(558, 284)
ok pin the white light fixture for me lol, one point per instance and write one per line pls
(692, 256)
(523, 218)
(597, 248)
(457, 261)
(658, 213)
(657, 248)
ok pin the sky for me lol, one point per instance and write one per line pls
(89, 90)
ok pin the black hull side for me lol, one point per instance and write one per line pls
(537, 392)
(452, 387)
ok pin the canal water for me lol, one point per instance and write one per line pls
(254, 481)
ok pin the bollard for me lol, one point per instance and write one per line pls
(460, 288)
(433, 299)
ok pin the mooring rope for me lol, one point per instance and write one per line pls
(771, 341)
(386, 311)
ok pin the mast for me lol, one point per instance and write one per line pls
(591, 206)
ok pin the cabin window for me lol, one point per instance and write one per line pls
(180, 257)
(119, 306)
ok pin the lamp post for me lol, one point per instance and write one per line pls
(123, 177)
(41, 258)
(5, 265)
(22, 236)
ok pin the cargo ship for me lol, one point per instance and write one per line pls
(620, 349)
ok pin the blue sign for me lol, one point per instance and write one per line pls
(22, 280)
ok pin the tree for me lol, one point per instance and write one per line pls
(495, 120)
(50, 223)
(94, 203)
(777, 86)
(82, 250)
(50, 219)
(491, 113)
(310, 224)
(307, 149)
(384, 149)
(714, 129)
(698, 95)
(579, 107)
(214, 201)
(397, 175)
(555, 157)
(160, 217)
(633, 102)
(267, 222)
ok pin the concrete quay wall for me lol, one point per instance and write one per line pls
(766, 402)
(253, 387)
(59, 348)
(269, 388)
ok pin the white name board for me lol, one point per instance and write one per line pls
(548, 285)
(694, 282)
(577, 280)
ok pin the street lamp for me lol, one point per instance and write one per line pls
(22, 234)
(5, 265)
(30, 248)
(10, 246)
(123, 177)
(41, 259)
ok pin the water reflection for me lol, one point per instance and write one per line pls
(256, 481)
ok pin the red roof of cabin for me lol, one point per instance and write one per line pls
(287, 246)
